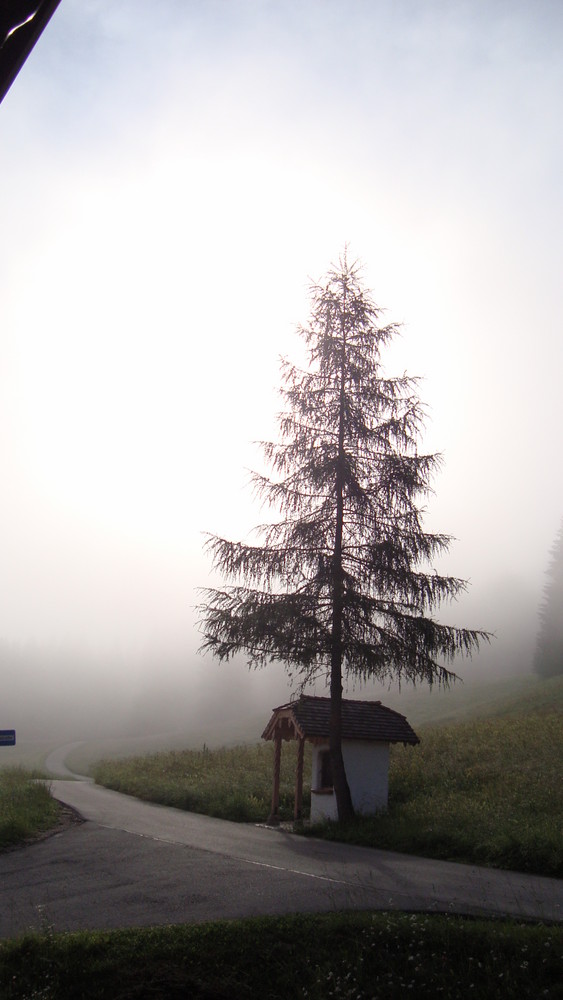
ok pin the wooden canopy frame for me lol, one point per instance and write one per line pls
(284, 726)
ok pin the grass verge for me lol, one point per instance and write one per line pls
(26, 806)
(353, 956)
(231, 783)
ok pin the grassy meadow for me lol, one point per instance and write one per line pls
(231, 782)
(486, 791)
(26, 806)
(352, 956)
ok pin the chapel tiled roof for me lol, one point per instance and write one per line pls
(361, 720)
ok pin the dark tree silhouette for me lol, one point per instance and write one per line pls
(548, 660)
(336, 587)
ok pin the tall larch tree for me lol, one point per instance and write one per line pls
(337, 586)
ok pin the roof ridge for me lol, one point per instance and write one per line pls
(361, 719)
(348, 701)
(345, 701)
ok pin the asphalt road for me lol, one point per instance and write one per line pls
(137, 864)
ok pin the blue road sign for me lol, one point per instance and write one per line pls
(7, 737)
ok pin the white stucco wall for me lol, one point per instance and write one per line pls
(367, 770)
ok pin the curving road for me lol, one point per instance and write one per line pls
(137, 864)
(56, 764)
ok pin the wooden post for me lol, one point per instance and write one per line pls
(299, 780)
(274, 818)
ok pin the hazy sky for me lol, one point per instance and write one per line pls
(172, 174)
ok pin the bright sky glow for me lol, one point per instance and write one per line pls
(172, 175)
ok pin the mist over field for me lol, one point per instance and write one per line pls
(176, 174)
(58, 694)
(52, 694)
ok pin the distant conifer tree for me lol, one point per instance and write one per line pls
(337, 587)
(549, 650)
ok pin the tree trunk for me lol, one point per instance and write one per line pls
(341, 787)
